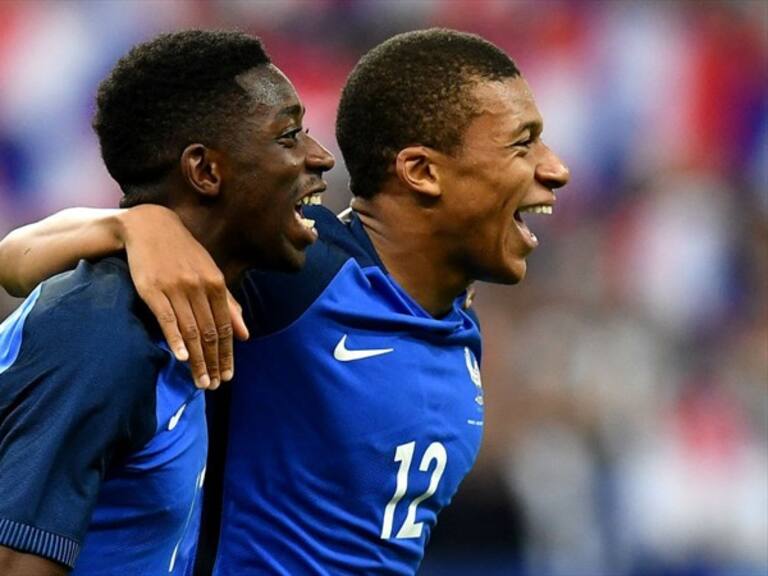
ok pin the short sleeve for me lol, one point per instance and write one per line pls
(77, 380)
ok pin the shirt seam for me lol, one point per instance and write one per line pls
(33, 540)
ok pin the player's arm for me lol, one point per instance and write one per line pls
(33, 253)
(13, 563)
(173, 274)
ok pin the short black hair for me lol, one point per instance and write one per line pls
(415, 88)
(167, 93)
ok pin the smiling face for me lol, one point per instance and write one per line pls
(271, 166)
(501, 171)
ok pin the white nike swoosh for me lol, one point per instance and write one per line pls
(176, 417)
(342, 354)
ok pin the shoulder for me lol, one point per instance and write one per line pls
(273, 300)
(91, 322)
(91, 287)
(95, 303)
(78, 380)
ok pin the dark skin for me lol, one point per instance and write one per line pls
(441, 221)
(239, 204)
(13, 563)
(271, 164)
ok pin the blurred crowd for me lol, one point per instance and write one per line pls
(626, 378)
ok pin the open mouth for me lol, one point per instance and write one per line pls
(541, 208)
(310, 199)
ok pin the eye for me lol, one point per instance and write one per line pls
(291, 136)
(525, 143)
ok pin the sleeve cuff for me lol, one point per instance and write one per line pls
(31, 540)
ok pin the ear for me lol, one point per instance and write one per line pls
(201, 168)
(416, 167)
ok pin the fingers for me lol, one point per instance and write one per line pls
(236, 315)
(198, 319)
(160, 306)
(187, 292)
(219, 307)
(191, 335)
(209, 335)
(180, 329)
(208, 299)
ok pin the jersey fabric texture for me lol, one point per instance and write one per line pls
(354, 418)
(102, 433)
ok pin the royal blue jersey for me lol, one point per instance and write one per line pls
(353, 420)
(102, 433)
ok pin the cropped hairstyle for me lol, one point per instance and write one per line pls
(168, 93)
(413, 89)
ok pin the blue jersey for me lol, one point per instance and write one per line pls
(354, 418)
(102, 434)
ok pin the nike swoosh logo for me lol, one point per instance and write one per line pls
(342, 354)
(176, 417)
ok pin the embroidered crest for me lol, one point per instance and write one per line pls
(474, 373)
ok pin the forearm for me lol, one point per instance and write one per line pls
(32, 253)
(13, 563)
(180, 283)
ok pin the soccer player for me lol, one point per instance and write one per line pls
(357, 407)
(103, 439)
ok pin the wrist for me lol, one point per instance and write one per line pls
(117, 224)
(126, 223)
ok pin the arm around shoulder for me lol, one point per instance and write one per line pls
(37, 251)
(180, 283)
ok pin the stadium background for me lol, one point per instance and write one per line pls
(627, 378)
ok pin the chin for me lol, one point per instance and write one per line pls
(284, 258)
(519, 271)
(292, 261)
(510, 273)
(510, 264)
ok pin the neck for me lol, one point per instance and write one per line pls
(410, 251)
(231, 268)
(210, 232)
(205, 224)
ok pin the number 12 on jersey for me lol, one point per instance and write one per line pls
(404, 455)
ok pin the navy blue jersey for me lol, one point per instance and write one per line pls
(353, 420)
(102, 433)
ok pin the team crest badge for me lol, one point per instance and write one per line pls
(474, 373)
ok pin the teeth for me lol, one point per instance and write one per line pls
(312, 199)
(308, 223)
(540, 209)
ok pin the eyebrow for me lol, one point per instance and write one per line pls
(294, 110)
(534, 126)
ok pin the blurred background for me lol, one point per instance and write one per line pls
(627, 378)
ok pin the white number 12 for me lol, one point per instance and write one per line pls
(404, 455)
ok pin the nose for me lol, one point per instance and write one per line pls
(319, 157)
(551, 171)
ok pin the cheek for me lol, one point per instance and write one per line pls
(485, 197)
(285, 182)
(493, 203)
(276, 188)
